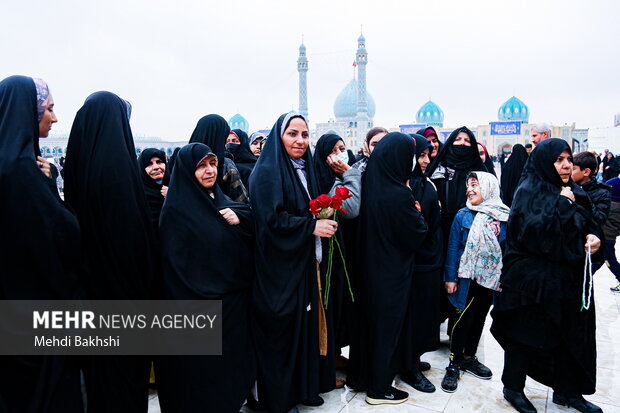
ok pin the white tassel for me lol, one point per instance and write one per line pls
(587, 273)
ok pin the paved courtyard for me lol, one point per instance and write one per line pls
(475, 395)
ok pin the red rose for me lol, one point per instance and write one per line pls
(342, 193)
(324, 201)
(314, 207)
(336, 203)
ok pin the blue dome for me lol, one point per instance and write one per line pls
(431, 114)
(302, 49)
(239, 122)
(513, 109)
(345, 107)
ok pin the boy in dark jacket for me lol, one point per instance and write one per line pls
(585, 168)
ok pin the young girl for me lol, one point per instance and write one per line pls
(472, 270)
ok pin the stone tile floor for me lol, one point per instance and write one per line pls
(475, 395)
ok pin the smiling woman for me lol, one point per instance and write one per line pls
(289, 326)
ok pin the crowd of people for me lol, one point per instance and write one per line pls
(425, 234)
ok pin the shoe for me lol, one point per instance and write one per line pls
(393, 396)
(424, 366)
(313, 401)
(451, 380)
(340, 383)
(518, 400)
(577, 402)
(418, 381)
(615, 289)
(476, 369)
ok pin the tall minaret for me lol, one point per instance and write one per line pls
(302, 68)
(361, 59)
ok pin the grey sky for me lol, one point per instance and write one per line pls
(177, 61)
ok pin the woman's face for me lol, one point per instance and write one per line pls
(256, 146)
(474, 195)
(374, 141)
(434, 140)
(206, 172)
(424, 159)
(339, 148)
(48, 118)
(462, 139)
(609, 155)
(156, 168)
(296, 138)
(564, 165)
(233, 138)
(482, 153)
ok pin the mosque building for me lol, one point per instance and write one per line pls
(354, 108)
(512, 127)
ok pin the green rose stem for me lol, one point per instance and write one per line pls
(328, 275)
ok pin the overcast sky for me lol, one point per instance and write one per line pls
(176, 61)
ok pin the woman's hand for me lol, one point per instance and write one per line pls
(45, 166)
(325, 228)
(164, 191)
(338, 166)
(451, 287)
(418, 206)
(594, 241)
(230, 216)
(568, 193)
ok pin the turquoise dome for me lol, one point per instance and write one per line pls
(513, 109)
(430, 114)
(239, 122)
(345, 107)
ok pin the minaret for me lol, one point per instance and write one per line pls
(302, 68)
(361, 59)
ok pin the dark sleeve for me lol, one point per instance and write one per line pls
(601, 203)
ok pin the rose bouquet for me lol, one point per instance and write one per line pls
(325, 207)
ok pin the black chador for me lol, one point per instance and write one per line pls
(511, 172)
(243, 156)
(152, 188)
(103, 186)
(538, 316)
(392, 230)
(285, 294)
(39, 252)
(423, 312)
(214, 261)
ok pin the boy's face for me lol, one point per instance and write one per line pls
(581, 176)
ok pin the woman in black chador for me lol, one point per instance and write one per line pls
(242, 155)
(511, 173)
(208, 223)
(392, 230)
(330, 164)
(104, 188)
(212, 130)
(544, 316)
(448, 171)
(39, 248)
(423, 311)
(288, 318)
(155, 177)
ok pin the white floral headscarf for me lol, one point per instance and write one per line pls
(482, 256)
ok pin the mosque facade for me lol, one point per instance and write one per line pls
(354, 108)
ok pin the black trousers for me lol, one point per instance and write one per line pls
(469, 322)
